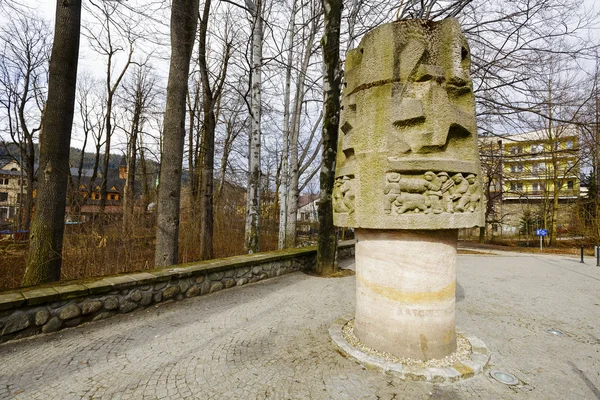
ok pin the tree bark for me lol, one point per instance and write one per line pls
(47, 228)
(207, 152)
(284, 174)
(184, 17)
(253, 195)
(327, 241)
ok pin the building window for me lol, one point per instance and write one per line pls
(537, 148)
(4, 181)
(516, 149)
(519, 167)
(520, 187)
(3, 196)
(3, 212)
(535, 186)
(569, 165)
(570, 185)
(569, 144)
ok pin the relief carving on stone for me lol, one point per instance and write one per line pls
(431, 192)
(343, 194)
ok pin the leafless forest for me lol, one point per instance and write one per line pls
(203, 124)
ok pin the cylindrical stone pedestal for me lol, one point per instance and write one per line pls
(405, 291)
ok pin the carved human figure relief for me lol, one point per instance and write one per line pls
(430, 192)
(343, 195)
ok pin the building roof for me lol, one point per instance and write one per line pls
(305, 199)
(559, 132)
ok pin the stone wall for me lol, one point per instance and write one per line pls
(49, 308)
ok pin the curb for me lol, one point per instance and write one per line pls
(462, 370)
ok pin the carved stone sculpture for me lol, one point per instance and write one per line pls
(408, 176)
(408, 109)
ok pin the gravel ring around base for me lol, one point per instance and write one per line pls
(464, 364)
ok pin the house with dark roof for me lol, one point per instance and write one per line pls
(11, 191)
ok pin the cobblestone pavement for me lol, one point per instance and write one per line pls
(269, 341)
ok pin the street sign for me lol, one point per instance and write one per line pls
(541, 232)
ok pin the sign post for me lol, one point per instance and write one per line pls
(541, 233)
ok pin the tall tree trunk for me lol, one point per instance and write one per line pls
(145, 184)
(184, 17)
(284, 174)
(47, 228)
(294, 167)
(253, 195)
(327, 242)
(129, 189)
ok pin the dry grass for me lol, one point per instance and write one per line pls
(98, 248)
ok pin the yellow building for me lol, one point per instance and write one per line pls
(535, 164)
(521, 174)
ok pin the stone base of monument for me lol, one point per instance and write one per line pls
(466, 363)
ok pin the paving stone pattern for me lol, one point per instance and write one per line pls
(269, 340)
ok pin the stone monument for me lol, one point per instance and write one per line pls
(407, 178)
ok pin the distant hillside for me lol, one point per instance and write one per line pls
(10, 150)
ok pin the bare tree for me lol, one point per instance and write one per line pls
(184, 19)
(210, 98)
(141, 92)
(24, 62)
(116, 35)
(327, 242)
(254, 171)
(47, 227)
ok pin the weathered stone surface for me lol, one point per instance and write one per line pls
(200, 278)
(42, 316)
(205, 287)
(58, 304)
(215, 276)
(69, 312)
(136, 295)
(171, 292)
(160, 285)
(407, 149)
(16, 322)
(262, 276)
(242, 281)
(257, 269)
(11, 300)
(52, 325)
(72, 322)
(158, 297)
(193, 291)
(215, 287)
(242, 271)
(111, 303)
(229, 273)
(103, 315)
(90, 306)
(127, 306)
(146, 298)
(405, 291)
(228, 282)
(184, 286)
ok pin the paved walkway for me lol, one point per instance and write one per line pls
(269, 340)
